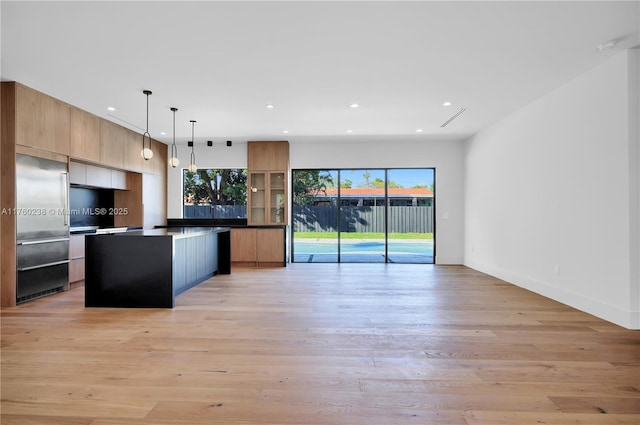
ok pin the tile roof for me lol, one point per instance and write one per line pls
(379, 191)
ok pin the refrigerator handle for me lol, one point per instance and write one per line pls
(65, 198)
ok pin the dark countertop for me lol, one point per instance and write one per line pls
(91, 230)
(219, 222)
(176, 232)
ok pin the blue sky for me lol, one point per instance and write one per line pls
(401, 176)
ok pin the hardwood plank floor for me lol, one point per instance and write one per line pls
(321, 344)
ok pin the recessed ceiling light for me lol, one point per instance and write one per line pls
(111, 108)
(286, 131)
(446, 104)
(354, 105)
(349, 131)
(419, 130)
(269, 106)
(162, 133)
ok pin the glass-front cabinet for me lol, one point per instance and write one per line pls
(267, 197)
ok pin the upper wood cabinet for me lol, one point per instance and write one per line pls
(42, 122)
(268, 156)
(132, 148)
(85, 135)
(112, 140)
(157, 164)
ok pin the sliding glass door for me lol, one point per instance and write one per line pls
(363, 215)
(315, 216)
(410, 215)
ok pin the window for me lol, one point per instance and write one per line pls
(363, 215)
(215, 193)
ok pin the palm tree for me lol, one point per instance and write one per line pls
(366, 176)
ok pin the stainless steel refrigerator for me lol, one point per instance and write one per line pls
(42, 227)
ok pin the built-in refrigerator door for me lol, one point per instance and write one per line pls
(42, 189)
(42, 226)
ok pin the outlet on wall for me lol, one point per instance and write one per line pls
(556, 269)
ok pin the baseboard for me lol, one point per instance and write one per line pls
(621, 317)
(455, 261)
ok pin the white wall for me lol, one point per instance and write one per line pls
(549, 195)
(355, 152)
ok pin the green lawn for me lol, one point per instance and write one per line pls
(361, 235)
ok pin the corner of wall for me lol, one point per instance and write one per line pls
(634, 184)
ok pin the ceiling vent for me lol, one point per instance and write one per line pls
(456, 115)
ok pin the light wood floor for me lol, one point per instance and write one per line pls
(321, 344)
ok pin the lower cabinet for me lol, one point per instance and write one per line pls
(76, 260)
(258, 246)
(195, 259)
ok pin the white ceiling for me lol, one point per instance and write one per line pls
(220, 63)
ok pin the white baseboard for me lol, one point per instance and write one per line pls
(455, 261)
(621, 317)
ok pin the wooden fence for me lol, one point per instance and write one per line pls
(325, 218)
(217, 211)
(362, 219)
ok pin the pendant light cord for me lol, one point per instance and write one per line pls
(193, 143)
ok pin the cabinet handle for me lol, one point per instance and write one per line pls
(42, 241)
(65, 197)
(40, 266)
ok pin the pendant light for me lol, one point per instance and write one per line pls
(146, 152)
(192, 164)
(174, 161)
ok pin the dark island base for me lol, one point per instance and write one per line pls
(148, 269)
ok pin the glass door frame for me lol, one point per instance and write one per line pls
(387, 205)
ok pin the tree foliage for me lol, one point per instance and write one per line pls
(376, 183)
(219, 186)
(308, 184)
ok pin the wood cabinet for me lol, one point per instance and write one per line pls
(270, 156)
(8, 194)
(270, 247)
(268, 169)
(132, 159)
(85, 135)
(42, 122)
(129, 200)
(256, 246)
(158, 163)
(267, 200)
(243, 245)
(76, 260)
(268, 207)
(112, 140)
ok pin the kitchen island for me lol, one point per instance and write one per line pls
(149, 268)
